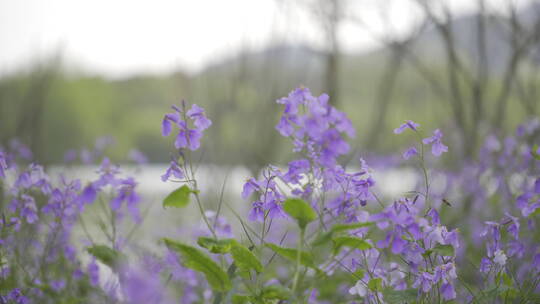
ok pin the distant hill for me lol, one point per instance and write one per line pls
(297, 59)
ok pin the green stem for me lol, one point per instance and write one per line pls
(298, 255)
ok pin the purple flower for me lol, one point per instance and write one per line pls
(513, 225)
(410, 153)
(275, 210)
(451, 238)
(249, 187)
(107, 172)
(93, 273)
(197, 114)
(516, 248)
(16, 296)
(174, 170)
(256, 214)
(437, 147)
(58, 285)
(435, 219)
(315, 127)
(296, 169)
(448, 292)
(284, 127)
(398, 244)
(29, 209)
(523, 200)
(424, 280)
(296, 97)
(530, 209)
(138, 157)
(88, 195)
(24, 181)
(409, 124)
(536, 262)
(187, 137)
(126, 192)
(445, 272)
(141, 287)
(537, 186)
(166, 124)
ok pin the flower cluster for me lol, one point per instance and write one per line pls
(437, 147)
(188, 137)
(38, 223)
(191, 124)
(315, 127)
(317, 131)
(318, 227)
(270, 197)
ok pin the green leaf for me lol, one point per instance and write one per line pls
(509, 293)
(375, 284)
(399, 296)
(534, 152)
(535, 213)
(289, 253)
(322, 238)
(345, 227)
(350, 241)
(326, 237)
(300, 210)
(179, 198)
(358, 274)
(215, 246)
(106, 255)
(276, 292)
(194, 259)
(506, 279)
(245, 259)
(503, 278)
(241, 299)
(444, 250)
(427, 253)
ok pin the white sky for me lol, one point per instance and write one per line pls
(117, 38)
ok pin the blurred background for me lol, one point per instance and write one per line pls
(72, 72)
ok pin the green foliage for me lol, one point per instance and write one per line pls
(444, 250)
(276, 292)
(375, 284)
(241, 299)
(359, 274)
(345, 227)
(326, 237)
(300, 210)
(245, 259)
(196, 260)
(534, 152)
(215, 246)
(178, 198)
(350, 241)
(392, 296)
(290, 254)
(106, 255)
